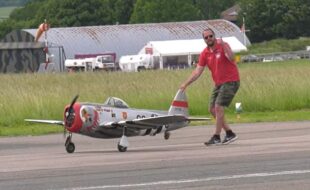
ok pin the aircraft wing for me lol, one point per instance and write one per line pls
(151, 122)
(56, 122)
(155, 121)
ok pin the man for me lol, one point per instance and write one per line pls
(218, 57)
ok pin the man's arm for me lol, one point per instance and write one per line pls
(227, 51)
(194, 76)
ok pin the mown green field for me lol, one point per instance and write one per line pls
(278, 91)
(5, 12)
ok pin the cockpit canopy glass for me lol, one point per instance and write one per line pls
(116, 102)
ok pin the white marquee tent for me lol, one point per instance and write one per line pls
(185, 48)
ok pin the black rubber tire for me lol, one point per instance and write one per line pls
(121, 148)
(70, 147)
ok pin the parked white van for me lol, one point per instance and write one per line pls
(138, 62)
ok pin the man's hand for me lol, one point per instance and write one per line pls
(183, 87)
(227, 51)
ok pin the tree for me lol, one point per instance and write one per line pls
(276, 19)
(26, 13)
(155, 11)
(266, 19)
(211, 9)
(74, 13)
(122, 10)
(66, 13)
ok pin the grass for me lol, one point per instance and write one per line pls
(5, 12)
(275, 86)
(277, 91)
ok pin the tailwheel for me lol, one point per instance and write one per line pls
(167, 135)
(121, 148)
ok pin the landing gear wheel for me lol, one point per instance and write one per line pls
(70, 147)
(121, 148)
(167, 135)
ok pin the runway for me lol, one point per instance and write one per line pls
(266, 156)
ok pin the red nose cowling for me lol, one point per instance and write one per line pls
(73, 121)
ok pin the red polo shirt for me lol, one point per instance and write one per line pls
(222, 69)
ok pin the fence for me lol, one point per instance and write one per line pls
(282, 56)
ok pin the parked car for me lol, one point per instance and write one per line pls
(250, 58)
(304, 55)
(273, 58)
(290, 56)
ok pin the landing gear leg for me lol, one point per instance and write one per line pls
(123, 143)
(70, 147)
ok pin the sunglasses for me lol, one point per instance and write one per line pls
(207, 37)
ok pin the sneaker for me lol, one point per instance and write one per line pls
(213, 141)
(230, 138)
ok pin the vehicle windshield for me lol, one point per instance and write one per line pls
(106, 59)
(116, 102)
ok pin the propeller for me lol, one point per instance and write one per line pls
(70, 112)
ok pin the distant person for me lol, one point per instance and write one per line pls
(218, 57)
(193, 64)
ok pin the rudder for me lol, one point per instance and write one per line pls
(179, 105)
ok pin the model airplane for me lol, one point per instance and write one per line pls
(114, 119)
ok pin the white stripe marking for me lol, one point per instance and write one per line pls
(195, 180)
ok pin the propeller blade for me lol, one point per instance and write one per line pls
(73, 101)
(70, 112)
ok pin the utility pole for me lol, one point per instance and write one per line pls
(244, 30)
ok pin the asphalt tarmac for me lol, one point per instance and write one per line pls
(266, 156)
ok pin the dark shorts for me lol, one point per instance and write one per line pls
(223, 94)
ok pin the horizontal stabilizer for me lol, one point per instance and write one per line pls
(55, 122)
(198, 119)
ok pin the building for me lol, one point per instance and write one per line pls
(19, 53)
(231, 14)
(126, 39)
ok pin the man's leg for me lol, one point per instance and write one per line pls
(212, 100)
(212, 111)
(216, 138)
(224, 98)
(221, 124)
(218, 112)
(220, 119)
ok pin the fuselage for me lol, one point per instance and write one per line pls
(100, 121)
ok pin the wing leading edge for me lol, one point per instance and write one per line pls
(55, 122)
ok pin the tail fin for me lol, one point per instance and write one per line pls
(179, 105)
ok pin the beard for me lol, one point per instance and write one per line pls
(211, 43)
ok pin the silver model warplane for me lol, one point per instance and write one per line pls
(114, 119)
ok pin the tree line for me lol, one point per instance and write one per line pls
(266, 19)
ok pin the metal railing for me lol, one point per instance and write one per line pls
(280, 56)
